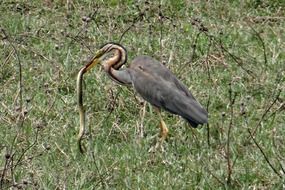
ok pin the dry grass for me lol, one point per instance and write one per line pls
(231, 55)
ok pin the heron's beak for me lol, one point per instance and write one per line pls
(95, 60)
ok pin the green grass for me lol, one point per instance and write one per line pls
(214, 47)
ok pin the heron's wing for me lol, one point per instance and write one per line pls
(156, 69)
(160, 87)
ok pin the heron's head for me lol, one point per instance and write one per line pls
(110, 55)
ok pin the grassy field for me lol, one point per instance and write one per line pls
(230, 55)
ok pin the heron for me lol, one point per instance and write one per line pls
(153, 81)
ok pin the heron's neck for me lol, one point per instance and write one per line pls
(122, 76)
(112, 65)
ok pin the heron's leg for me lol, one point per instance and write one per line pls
(163, 129)
(163, 133)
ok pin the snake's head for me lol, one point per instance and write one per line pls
(95, 60)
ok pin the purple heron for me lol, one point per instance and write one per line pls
(152, 80)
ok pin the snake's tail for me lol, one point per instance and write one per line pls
(81, 110)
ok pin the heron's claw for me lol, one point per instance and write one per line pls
(163, 135)
(158, 145)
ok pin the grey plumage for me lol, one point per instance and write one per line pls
(157, 85)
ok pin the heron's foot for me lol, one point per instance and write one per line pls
(163, 135)
(157, 147)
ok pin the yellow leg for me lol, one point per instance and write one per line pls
(163, 135)
(163, 130)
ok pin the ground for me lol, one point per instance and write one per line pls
(230, 55)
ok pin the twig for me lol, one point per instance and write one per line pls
(20, 70)
(264, 155)
(263, 19)
(232, 101)
(278, 155)
(266, 112)
(236, 59)
(219, 180)
(160, 18)
(262, 43)
(85, 25)
(10, 159)
(115, 99)
(26, 150)
(205, 30)
(13, 154)
(211, 173)
(209, 97)
(7, 159)
(194, 47)
(97, 168)
(135, 20)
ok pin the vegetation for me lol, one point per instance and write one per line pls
(229, 53)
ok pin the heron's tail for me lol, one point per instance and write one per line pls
(199, 117)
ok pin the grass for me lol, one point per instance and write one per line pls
(230, 54)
